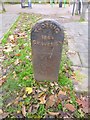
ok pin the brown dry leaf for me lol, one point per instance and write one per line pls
(18, 55)
(42, 99)
(24, 110)
(3, 115)
(58, 101)
(73, 76)
(79, 101)
(43, 89)
(51, 101)
(41, 94)
(61, 93)
(17, 62)
(11, 37)
(14, 74)
(26, 78)
(12, 102)
(1, 111)
(30, 109)
(35, 108)
(1, 82)
(85, 105)
(24, 96)
(70, 107)
(86, 110)
(54, 113)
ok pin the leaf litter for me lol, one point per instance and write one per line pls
(50, 95)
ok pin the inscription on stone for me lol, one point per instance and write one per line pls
(47, 38)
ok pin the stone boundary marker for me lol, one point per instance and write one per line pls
(47, 38)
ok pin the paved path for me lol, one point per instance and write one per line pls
(77, 34)
(44, 9)
(78, 51)
(6, 21)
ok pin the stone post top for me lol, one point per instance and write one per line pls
(49, 21)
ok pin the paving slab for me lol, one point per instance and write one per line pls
(84, 59)
(74, 57)
(81, 85)
(78, 42)
(6, 21)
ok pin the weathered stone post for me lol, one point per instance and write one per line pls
(47, 38)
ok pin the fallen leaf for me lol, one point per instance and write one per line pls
(70, 107)
(2, 80)
(1, 111)
(51, 101)
(18, 111)
(30, 109)
(11, 37)
(8, 49)
(24, 96)
(16, 102)
(54, 113)
(26, 78)
(58, 101)
(52, 84)
(61, 93)
(42, 99)
(17, 62)
(43, 89)
(3, 115)
(12, 102)
(85, 104)
(18, 54)
(79, 101)
(28, 90)
(35, 108)
(14, 74)
(41, 94)
(85, 109)
(23, 110)
(22, 34)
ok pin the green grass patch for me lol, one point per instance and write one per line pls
(20, 74)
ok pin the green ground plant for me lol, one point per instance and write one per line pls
(20, 76)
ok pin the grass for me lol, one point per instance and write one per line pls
(82, 19)
(20, 74)
(1, 11)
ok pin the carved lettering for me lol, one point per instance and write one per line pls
(57, 30)
(43, 25)
(47, 25)
(44, 37)
(35, 42)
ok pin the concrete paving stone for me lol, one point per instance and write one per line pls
(78, 47)
(81, 40)
(74, 59)
(82, 85)
(6, 21)
(84, 59)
